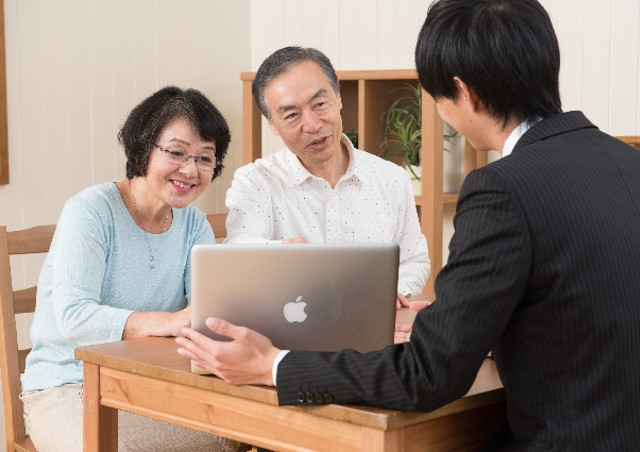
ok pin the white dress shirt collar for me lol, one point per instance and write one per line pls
(515, 135)
(299, 174)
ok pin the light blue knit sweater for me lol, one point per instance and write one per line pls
(97, 273)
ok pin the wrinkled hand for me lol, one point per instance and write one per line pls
(419, 305)
(402, 333)
(403, 330)
(401, 301)
(179, 320)
(298, 239)
(246, 359)
(156, 323)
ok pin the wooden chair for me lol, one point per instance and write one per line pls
(218, 223)
(13, 302)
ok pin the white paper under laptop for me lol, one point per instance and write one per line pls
(301, 296)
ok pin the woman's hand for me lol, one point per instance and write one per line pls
(143, 324)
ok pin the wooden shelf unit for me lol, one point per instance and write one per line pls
(365, 96)
(632, 140)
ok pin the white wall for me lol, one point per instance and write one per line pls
(75, 68)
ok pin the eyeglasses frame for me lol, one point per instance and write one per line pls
(196, 159)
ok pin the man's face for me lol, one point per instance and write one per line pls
(454, 113)
(305, 113)
(467, 115)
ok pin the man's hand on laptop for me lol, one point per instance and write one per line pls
(246, 359)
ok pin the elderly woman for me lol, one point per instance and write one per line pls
(119, 268)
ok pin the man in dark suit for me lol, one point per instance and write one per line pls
(543, 265)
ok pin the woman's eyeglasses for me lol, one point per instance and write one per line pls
(205, 162)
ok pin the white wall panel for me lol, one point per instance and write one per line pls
(597, 62)
(411, 15)
(311, 25)
(72, 170)
(348, 32)
(569, 25)
(598, 40)
(258, 35)
(330, 37)
(36, 162)
(367, 36)
(624, 72)
(387, 36)
(76, 68)
(103, 118)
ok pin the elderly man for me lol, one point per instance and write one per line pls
(319, 188)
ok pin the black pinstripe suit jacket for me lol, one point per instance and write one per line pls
(544, 269)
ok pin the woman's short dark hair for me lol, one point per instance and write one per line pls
(279, 62)
(149, 118)
(505, 50)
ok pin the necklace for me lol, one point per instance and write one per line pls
(152, 252)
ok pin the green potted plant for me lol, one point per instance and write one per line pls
(403, 128)
(402, 140)
(353, 136)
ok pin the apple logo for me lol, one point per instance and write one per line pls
(294, 310)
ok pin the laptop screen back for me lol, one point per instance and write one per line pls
(301, 296)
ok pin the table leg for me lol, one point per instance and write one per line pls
(100, 423)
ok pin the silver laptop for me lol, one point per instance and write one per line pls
(301, 296)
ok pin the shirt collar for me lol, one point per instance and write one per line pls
(298, 174)
(515, 135)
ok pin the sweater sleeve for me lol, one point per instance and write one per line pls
(79, 265)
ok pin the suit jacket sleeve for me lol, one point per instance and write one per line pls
(476, 292)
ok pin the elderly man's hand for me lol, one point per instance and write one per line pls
(419, 305)
(401, 301)
(402, 333)
(298, 239)
(403, 330)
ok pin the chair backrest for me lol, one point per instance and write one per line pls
(13, 302)
(218, 223)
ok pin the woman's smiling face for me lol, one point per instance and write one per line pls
(178, 185)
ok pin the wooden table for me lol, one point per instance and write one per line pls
(147, 376)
